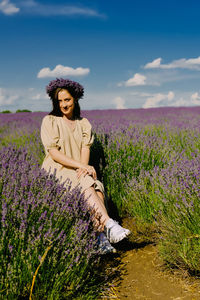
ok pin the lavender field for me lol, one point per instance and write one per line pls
(150, 164)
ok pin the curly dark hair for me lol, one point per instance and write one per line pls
(74, 88)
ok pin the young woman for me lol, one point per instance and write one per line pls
(67, 139)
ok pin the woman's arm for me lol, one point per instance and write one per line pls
(64, 160)
(85, 155)
(81, 167)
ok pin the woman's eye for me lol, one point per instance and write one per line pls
(65, 100)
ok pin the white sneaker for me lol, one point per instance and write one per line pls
(114, 232)
(104, 246)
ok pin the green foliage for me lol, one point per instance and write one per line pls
(5, 112)
(21, 138)
(153, 176)
(22, 110)
(46, 233)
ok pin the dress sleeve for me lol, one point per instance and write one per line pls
(49, 133)
(87, 135)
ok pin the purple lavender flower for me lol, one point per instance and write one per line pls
(37, 212)
(74, 88)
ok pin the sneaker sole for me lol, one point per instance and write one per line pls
(108, 252)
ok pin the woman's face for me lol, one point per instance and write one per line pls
(66, 103)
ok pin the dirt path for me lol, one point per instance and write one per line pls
(144, 276)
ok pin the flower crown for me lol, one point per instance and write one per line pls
(74, 88)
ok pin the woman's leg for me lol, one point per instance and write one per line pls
(96, 201)
(113, 230)
(101, 196)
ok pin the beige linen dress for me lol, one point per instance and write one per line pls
(55, 133)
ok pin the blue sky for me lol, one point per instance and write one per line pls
(127, 54)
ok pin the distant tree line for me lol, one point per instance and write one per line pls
(17, 111)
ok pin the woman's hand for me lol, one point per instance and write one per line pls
(81, 172)
(86, 170)
(91, 171)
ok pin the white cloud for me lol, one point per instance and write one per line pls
(195, 99)
(141, 80)
(8, 8)
(188, 100)
(192, 64)
(182, 102)
(37, 8)
(140, 94)
(154, 64)
(169, 99)
(39, 96)
(158, 100)
(7, 98)
(34, 99)
(60, 70)
(119, 102)
(137, 79)
(170, 96)
(29, 98)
